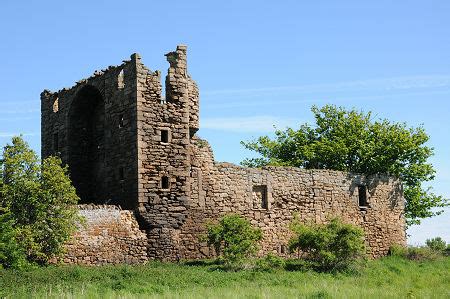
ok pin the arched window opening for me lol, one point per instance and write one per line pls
(86, 142)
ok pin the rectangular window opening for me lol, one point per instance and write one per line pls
(165, 182)
(165, 136)
(121, 174)
(362, 195)
(260, 197)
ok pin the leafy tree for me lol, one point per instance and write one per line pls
(39, 199)
(352, 141)
(233, 238)
(436, 244)
(332, 246)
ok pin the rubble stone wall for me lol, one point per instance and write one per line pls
(311, 195)
(109, 235)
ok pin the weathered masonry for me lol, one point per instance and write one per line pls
(127, 144)
(108, 235)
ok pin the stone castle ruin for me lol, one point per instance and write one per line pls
(128, 145)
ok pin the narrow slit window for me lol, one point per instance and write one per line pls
(164, 76)
(55, 142)
(121, 174)
(362, 195)
(120, 80)
(121, 121)
(56, 105)
(165, 182)
(165, 136)
(264, 203)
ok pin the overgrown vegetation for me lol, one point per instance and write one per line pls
(434, 249)
(36, 206)
(331, 247)
(413, 253)
(436, 244)
(334, 246)
(36, 217)
(349, 140)
(233, 238)
(390, 277)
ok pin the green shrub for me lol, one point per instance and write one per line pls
(298, 265)
(39, 198)
(270, 262)
(233, 238)
(12, 254)
(436, 244)
(333, 246)
(398, 250)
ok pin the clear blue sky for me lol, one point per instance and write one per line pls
(257, 64)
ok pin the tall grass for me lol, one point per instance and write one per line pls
(391, 277)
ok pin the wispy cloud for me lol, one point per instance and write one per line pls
(12, 134)
(385, 84)
(18, 102)
(20, 111)
(261, 123)
(278, 99)
(19, 118)
(11, 108)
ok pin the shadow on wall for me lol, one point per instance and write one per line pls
(370, 183)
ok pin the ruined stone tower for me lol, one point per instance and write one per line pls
(127, 144)
(123, 141)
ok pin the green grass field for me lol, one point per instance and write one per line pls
(391, 277)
